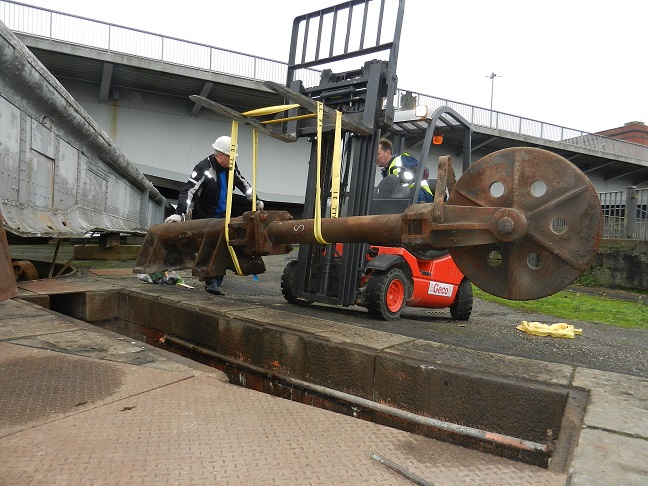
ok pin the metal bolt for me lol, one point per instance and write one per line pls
(505, 226)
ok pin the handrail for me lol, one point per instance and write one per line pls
(528, 127)
(625, 213)
(55, 25)
(109, 37)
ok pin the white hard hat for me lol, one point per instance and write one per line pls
(222, 144)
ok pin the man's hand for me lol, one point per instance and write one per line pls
(174, 218)
(259, 205)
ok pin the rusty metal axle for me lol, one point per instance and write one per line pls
(531, 238)
(201, 246)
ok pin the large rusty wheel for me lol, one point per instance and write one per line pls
(564, 223)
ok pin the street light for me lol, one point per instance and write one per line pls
(492, 76)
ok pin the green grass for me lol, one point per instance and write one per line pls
(581, 307)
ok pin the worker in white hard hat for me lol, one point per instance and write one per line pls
(206, 189)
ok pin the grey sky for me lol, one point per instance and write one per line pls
(575, 63)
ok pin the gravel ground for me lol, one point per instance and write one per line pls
(491, 327)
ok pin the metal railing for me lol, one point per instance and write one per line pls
(625, 213)
(82, 31)
(533, 128)
(59, 26)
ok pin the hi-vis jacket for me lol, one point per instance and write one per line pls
(408, 163)
(204, 188)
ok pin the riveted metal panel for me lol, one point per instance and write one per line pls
(66, 175)
(37, 168)
(43, 139)
(93, 184)
(9, 150)
(61, 174)
(123, 198)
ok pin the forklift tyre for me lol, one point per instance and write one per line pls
(288, 280)
(462, 307)
(386, 294)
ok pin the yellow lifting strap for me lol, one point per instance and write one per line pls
(335, 170)
(230, 190)
(317, 223)
(289, 118)
(336, 167)
(255, 155)
(270, 110)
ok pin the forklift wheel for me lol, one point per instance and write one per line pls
(288, 285)
(462, 307)
(386, 294)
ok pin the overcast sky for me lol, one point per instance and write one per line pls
(581, 64)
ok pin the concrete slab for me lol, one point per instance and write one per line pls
(91, 344)
(19, 309)
(112, 272)
(617, 402)
(39, 323)
(612, 446)
(52, 287)
(487, 363)
(604, 458)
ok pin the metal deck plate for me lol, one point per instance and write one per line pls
(201, 431)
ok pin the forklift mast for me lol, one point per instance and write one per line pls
(350, 30)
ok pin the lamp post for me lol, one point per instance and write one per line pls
(492, 77)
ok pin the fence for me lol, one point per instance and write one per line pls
(81, 31)
(532, 128)
(625, 214)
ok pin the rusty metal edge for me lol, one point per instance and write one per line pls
(8, 289)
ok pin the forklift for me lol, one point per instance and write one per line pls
(384, 279)
(520, 223)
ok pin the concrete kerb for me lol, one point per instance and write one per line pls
(356, 361)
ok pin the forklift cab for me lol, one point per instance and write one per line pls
(393, 195)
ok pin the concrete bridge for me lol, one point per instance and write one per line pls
(136, 86)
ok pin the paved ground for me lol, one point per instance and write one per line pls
(88, 416)
(169, 422)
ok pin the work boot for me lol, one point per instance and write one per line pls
(213, 288)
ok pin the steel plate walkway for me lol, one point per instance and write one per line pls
(81, 405)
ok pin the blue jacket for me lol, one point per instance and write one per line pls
(205, 190)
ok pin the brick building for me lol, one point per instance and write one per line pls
(634, 131)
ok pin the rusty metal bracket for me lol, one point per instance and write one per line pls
(199, 245)
(445, 180)
(8, 288)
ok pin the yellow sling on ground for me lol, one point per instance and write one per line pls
(560, 329)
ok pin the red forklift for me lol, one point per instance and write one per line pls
(384, 279)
